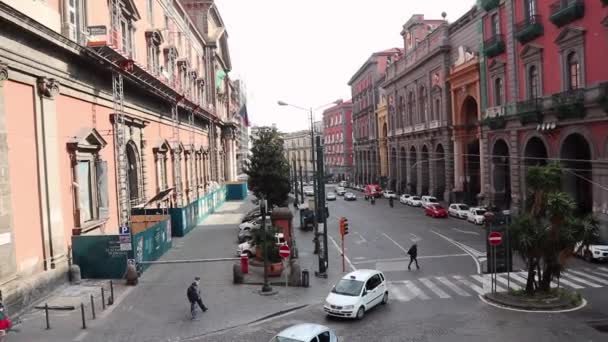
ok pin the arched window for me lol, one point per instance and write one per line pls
(533, 82)
(498, 91)
(411, 104)
(574, 71)
(423, 105)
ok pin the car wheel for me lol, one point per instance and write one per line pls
(385, 298)
(588, 257)
(360, 313)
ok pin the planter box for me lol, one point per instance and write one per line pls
(570, 104)
(494, 46)
(529, 29)
(496, 123)
(563, 13)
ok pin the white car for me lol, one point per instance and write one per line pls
(598, 251)
(306, 332)
(428, 201)
(255, 224)
(414, 201)
(403, 198)
(389, 194)
(248, 247)
(309, 191)
(459, 210)
(340, 191)
(476, 215)
(356, 293)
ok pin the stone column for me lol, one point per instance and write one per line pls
(449, 169)
(419, 171)
(7, 245)
(143, 145)
(458, 163)
(486, 169)
(517, 173)
(46, 120)
(431, 170)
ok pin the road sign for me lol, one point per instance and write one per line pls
(495, 238)
(125, 230)
(284, 251)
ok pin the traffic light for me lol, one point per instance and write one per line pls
(343, 226)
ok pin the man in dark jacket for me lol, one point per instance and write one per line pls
(413, 253)
(194, 297)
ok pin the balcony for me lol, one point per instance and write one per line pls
(565, 12)
(529, 111)
(529, 28)
(497, 122)
(569, 104)
(494, 45)
(489, 5)
(603, 99)
(605, 2)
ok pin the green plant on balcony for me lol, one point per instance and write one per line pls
(489, 5)
(529, 28)
(494, 45)
(565, 12)
(529, 111)
(569, 104)
(497, 122)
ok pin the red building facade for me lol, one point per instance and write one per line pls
(546, 97)
(338, 141)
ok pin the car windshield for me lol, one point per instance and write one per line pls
(284, 339)
(463, 207)
(416, 198)
(348, 287)
(432, 199)
(437, 207)
(480, 212)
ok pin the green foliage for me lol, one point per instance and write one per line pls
(268, 168)
(546, 233)
(273, 250)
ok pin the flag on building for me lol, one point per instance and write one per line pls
(243, 114)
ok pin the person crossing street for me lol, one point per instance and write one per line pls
(194, 297)
(413, 253)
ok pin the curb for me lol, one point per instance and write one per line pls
(529, 307)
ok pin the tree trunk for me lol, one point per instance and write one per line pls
(530, 280)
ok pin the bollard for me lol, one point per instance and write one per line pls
(92, 306)
(111, 299)
(305, 278)
(84, 322)
(103, 299)
(46, 314)
(244, 263)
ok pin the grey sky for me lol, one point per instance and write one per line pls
(304, 52)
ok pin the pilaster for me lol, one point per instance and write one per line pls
(517, 172)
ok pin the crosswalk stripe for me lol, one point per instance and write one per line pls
(596, 279)
(486, 283)
(579, 280)
(519, 278)
(399, 295)
(596, 272)
(439, 292)
(511, 284)
(452, 286)
(415, 290)
(469, 284)
(562, 281)
(603, 269)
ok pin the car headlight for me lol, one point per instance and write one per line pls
(595, 251)
(348, 307)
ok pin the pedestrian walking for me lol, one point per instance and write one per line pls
(413, 253)
(194, 297)
(373, 200)
(390, 201)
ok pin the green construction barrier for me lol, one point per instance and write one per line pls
(236, 191)
(99, 256)
(152, 243)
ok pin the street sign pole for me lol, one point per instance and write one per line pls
(285, 252)
(343, 265)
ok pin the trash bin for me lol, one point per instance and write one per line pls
(305, 278)
(244, 263)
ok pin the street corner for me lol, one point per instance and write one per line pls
(561, 301)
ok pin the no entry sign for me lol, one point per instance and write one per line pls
(284, 251)
(495, 238)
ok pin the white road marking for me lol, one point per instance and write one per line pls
(470, 285)
(519, 278)
(596, 279)
(359, 258)
(399, 295)
(561, 280)
(579, 280)
(361, 238)
(340, 250)
(396, 243)
(415, 290)
(477, 263)
(511, 284)
(439, 292)
(486, 282)
(465, 231)
(598, 272)
(602, 269)
(452, 286)
(415, 238)
(371, 261)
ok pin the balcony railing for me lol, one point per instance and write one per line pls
(529, 28)
(605, 2)
(569, 104)
(497, 122)
(529, 111)
(494, 45)
(489, 5)
(564, 12)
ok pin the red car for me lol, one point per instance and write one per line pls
(435, 211)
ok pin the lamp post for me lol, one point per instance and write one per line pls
(266, 288)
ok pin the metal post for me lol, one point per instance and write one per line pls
(46, 315)
(92, 306)
(111, 300)
(84, 322)
(266, 287)
(295, 181)
(301, 184)
(323, 262)
(343, 265)
(314, 179)
(103, 299)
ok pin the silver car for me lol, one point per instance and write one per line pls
(306, 332)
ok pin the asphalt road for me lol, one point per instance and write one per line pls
(441, 301)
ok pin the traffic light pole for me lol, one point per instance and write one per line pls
(323, 262)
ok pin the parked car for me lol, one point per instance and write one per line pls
(342, 184)
(389, 194)
(372, 190)
(459, 210)
(340, 191)
(476, 215)
(255, 223)
(248, 247)
(403, 198)
(331, 196)
(435, 210)
(428, 201)
(356, 293)
(306, 332)
(595, 251)
(414, 201)
(309, 191)
(349, 196)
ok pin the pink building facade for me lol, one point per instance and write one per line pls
(104, 105)
(338, 141)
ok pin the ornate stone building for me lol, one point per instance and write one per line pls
(338, 143)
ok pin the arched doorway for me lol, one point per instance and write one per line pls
(413, 184)
(426, 170)
(439, 172)
(576, 163)
(501, 175)
(472, 160)
(133, 173)
(393, 180)
(403, 164)
(535, 152)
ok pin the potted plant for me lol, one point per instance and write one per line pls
(258, 240)
(275, 263)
